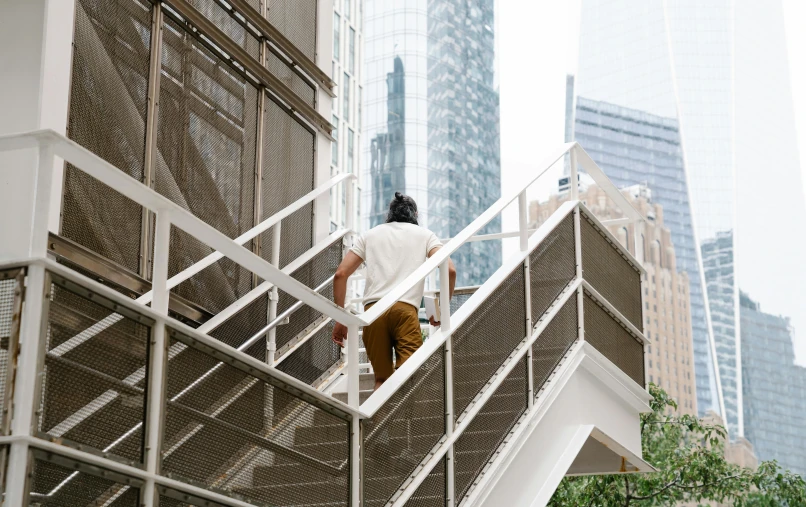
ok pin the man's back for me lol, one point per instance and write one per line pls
(392, 252)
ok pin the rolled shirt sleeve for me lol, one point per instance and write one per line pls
(359, 247)
(433, 242)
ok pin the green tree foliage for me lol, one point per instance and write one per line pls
(690, 458)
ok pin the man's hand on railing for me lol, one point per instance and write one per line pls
(433, 322)
(339, 334)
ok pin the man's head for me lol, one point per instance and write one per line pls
(402, 209)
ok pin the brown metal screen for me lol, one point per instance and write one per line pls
(225, 430)
(62, 482)
(610, 273)
(553, 343)
(488, 430)
(431, 493)
(173, 498)
(296, 20)
(315, 359)
(108, 100)
(11, 288)
(612, 339)
(285, 73)
(484, 341)
(552, 266)
(403, 431)
(94, 382)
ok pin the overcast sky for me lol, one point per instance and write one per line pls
(537, 47)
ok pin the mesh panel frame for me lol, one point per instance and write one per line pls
(63, 482)
(554, 342)
(404, 430)
(228, 426)
(610, 273)
(108, 103)
(94, 395)
(614, 340)
(10, 303)
(227, 24)
(207, 144)
(486, 339)
(431, 492)
(552, 266)
(475, 448)
(286, 74)
(173, 498)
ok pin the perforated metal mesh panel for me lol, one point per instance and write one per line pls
(487, 431)
(484, 341)
(243, 325)
(552, 266)
(296, 19)
(173, 498)
(291, 79)
(312, 274)
(108, 98)
(10, 303)
(227, 24)
(60, 482)
(612, 339)
(404, 430)
(431, 492)
(225, 432)
(288, 174)
(94, 383)
(553, 343)
(609, 272)
(314, 359)
(206, 160)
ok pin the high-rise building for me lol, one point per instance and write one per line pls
(774, 388)
(667, 315)
(719, 72)
(432, 128)
(348, 70)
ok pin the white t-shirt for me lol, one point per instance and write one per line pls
(392, 252)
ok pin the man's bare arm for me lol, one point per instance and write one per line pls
(348, 265)
(451, 271)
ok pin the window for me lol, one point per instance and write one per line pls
(336, 36)
(345, 90)
(335, 155)
(350, 151)
(348, 11)
(352, 51)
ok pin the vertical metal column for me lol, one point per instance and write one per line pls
(157, 357)
(33, 333)
(355, 424)
(274, 295)
(151, 149)
(523, 224)
(445, 325)
(578, 245)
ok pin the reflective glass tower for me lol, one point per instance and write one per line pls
(719, 71)
(432, 119)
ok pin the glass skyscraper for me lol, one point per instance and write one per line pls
(719, 70)
(774, 388)
(432, 119)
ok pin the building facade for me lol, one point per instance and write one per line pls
(774, 388)
(348, 71)
(667, 314)
(432, 119)
(720, 71)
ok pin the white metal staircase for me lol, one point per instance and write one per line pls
(540, 373)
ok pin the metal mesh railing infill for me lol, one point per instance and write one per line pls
(500, 320)
(226, 431)
(614, 340)
(94, 382)
(11, 292)
(431, 492)
(403, 431)
(56, 481)
(552, 266)
(554, 342)
(610, 273)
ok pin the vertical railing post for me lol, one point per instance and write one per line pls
(353, 400)
(274, 295)
(352, 366)
(445, 326)
(574, 176)
(578, 256)
(33, 334)
(349, 219)
(523, 221)
(158, 356)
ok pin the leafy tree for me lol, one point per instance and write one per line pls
(689, 455)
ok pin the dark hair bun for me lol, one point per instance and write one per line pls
(398, 196)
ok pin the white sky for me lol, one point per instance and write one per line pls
(537, 47)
